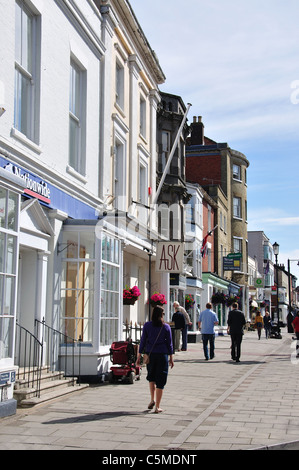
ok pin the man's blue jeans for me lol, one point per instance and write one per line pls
(206, 339)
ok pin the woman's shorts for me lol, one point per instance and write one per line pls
(157, 369)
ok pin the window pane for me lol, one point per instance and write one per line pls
(6, 330)
(11, 255)
(77, 286)
(12, 211)
(237, 172)
(3, 194)
(109, 303)
(23, 90)
(2, 248)
(87, 241)
(119, 85)
(237, 207)
(18, 32)
(89, 276)
(75, 91)
(74, 143)
(26, 41)
(8, 295)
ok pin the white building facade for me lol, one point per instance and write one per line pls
(78, 99)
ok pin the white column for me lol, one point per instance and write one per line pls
(41, 285)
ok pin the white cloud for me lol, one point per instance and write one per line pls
(270, 218)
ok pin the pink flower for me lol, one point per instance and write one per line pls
(158, 298)
(131, 293)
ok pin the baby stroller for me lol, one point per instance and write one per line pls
(275, 330)
(123, 355)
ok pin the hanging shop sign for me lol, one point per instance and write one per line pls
(170, 257)
(231, 264)
(259, 282)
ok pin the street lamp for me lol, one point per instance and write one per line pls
(276, 253)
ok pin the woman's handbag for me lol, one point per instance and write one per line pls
(146, 357)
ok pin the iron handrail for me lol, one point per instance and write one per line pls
(48, 334)
(30, 349)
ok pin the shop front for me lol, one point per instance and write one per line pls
(216, 290)
(11, 188)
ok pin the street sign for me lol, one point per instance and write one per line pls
(170, 257)
(234, 255)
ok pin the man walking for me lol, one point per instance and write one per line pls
(206, 323)
(179, 324)
(178, 308)
(235, 324)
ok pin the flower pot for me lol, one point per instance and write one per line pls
(129, 301)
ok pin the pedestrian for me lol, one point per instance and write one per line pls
(179, 324)
(156, 341)
(295, 325)
(258, 323)
(235, 324)
(267, 324)
(206, 323)
(178, 308)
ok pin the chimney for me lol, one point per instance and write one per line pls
(197, 131)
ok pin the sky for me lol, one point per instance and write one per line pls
(237, 63)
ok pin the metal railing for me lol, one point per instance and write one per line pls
(60, 351)
(28, 358)
(132, 332)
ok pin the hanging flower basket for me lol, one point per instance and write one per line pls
(189, 301)
(157, 299)
(129, 301)
(219, 298)
(232, 299)
(130, 295)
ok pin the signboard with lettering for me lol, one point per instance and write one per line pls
(35, 186)
(231, 264)
(6, 377)
(48, 194)
(170, 257)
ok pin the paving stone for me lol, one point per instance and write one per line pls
(208, 405)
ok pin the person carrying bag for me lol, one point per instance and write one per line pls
(156, 340)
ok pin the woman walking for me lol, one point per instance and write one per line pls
(156, 341)
(259, 324)
(267, 324)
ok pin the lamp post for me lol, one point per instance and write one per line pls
(276, 253)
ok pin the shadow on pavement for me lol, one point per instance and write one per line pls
(95, 417)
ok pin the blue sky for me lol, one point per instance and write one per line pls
(237, 63)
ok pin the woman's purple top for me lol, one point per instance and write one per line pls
(150, 333)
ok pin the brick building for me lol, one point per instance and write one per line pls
(221, 171)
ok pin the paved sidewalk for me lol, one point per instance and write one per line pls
(217, 404)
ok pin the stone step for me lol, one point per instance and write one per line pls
(52, 385)
(29, 377)
(45, 397)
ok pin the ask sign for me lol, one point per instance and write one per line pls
(170, 257)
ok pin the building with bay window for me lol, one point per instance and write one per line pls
(79, 92)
